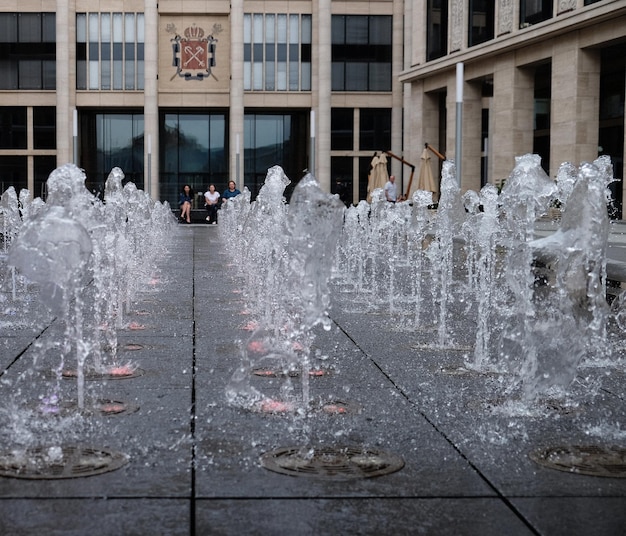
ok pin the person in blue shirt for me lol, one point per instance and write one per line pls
(184, 202)
(230, 192)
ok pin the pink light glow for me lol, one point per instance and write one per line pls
(112, 408)
(275, 406)
(251, 326)
(334, 408)
(256, 346)
(122, 370)
(136, 326)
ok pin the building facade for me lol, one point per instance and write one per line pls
(539, 76)
(202, 91)
(199, 91)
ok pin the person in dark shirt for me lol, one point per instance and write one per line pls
(184, 202)
(230, 192)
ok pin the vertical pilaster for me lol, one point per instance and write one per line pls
(472, 136)
(574, 108)
(323, 61)
(396, 90)
(513, 109)
(151, 105)
(236, 91)
(64, 112)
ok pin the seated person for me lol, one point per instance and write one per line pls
(230, 192)
(211, 200)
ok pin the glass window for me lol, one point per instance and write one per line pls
(275, 138)
(534, 11)
(193, 152)
(115, 139)
(27, 51)
(12, 127)
(43, 166)
(436, 29)
(361, 53)
(341, 173)
(29, 28)
(277, 52)
(541, 127)
(342, 129)
(13, 172)
(375, 134)
(110, 51)
(8, 27)
(481, 21)
(44, 127)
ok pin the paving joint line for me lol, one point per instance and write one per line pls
(499, 494)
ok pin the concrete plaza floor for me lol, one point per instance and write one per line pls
(193, 461)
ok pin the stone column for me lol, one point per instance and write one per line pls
(64, 110)
(151, 104)
(396, 93)
(472, 136)
(236, 91)
(575, 104)
(512, 112)
(322, 119)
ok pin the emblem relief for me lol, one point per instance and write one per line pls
(193, 54)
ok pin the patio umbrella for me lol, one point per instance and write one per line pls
(378, 176)
(426, 180)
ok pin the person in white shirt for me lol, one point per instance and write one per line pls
(390, 190)
(211, 200)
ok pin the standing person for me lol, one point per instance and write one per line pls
(390, 190)
(230, 192)
(211, 200)
(184, 202)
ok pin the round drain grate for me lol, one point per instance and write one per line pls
(48, 463)
(120, 373)
(331, 463)
(589, 460)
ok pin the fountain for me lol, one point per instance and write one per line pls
(472, 283)
(291, 252)
(64, 253)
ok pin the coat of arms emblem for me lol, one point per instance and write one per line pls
(193, 53)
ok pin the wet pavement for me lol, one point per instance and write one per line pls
(193, 461)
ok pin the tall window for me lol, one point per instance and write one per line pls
(110, 51)
(13, 172)
(193, 151)
(342, 179)
(534, 11)
(611, 116)
(481, 21)
(274, 138)
(12, 127)
(27, 51)
(375, 134)
(436, 29)
(541, 126)
(113, 140)
(361, 52)
(342, 129)
(44, 127)
(277, 52)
